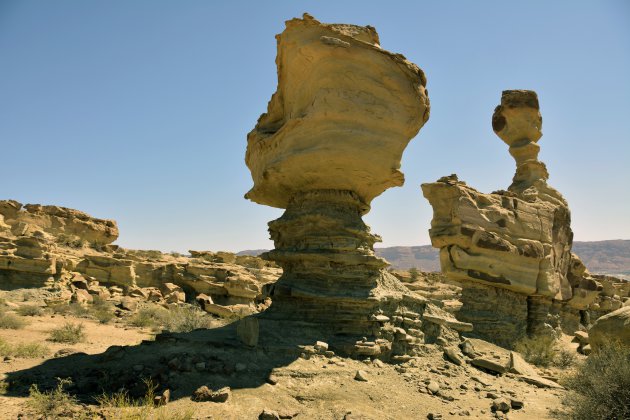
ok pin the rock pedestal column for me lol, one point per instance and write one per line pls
(330, 142)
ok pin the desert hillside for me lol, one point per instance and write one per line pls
(602, 257)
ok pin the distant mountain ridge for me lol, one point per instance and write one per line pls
(600, 257)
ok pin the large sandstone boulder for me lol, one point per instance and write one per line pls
(613, 327)
(343, 113)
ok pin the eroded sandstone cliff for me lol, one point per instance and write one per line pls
(511, 249)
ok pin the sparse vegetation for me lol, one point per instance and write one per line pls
(70, 309)
(102, 310)
(151, 317)
(179, 319)
(23, 350)
(601, 386)
(414, 274)
(54, 403)
(186, 319)
(124, 407)
(10, 321)
(30, 310)
(68, 333)
(543, 350)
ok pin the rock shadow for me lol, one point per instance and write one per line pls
(180, 362)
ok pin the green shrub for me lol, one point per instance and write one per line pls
(30, 310)
(186, 319)
(23, 350)
(600, 387)
(539, 350)
(54, 403)
(68, 333)
(102, 310)
(565, 358)
(152, 317)
(11, 322)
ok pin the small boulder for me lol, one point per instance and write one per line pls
(268, 414)
(320, 346)
(433, 387)
(82, 297)
(501, 404)
(452, 354)
(127, 303)
(361, 376)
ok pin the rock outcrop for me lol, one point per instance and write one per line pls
(331, 141)
(611, 328)
(511, 250)
(41, 245)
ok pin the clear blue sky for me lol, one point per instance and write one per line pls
(138, 110)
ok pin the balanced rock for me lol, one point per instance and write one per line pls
(511, 250)
(330, 142)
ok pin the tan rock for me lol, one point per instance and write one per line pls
(333, 105)
(610, 328)
(517, 240)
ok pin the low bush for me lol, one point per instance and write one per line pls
(600, 387)
(30, 310)
(539, 350)
(23, 350)
(186, 319)
(54, 403)
(9, 321)
(149, 317)
(545, 351)
(68, 333)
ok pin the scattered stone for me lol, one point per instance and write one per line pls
(65, 352)
(268, 414)
(540, 382)
(204, 393)
(501, 404)
(163, 399)
(361, 375)
(433, 387)
(516, 404)
(321, 347)
(453, 355)
(128, 304)
(82, 297)
(519, 366)
(434, 416)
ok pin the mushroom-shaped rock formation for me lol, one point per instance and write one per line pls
(511, 249)
(331, 141)
(341, 117)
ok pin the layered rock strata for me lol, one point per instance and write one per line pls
(511, 250)
(331, 141)
(50, 245)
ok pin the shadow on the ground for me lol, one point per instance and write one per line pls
(181, 362)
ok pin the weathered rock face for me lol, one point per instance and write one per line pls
(341, 117)
(63, 223)
(48, 244)
(517, 240)
(330, 142)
